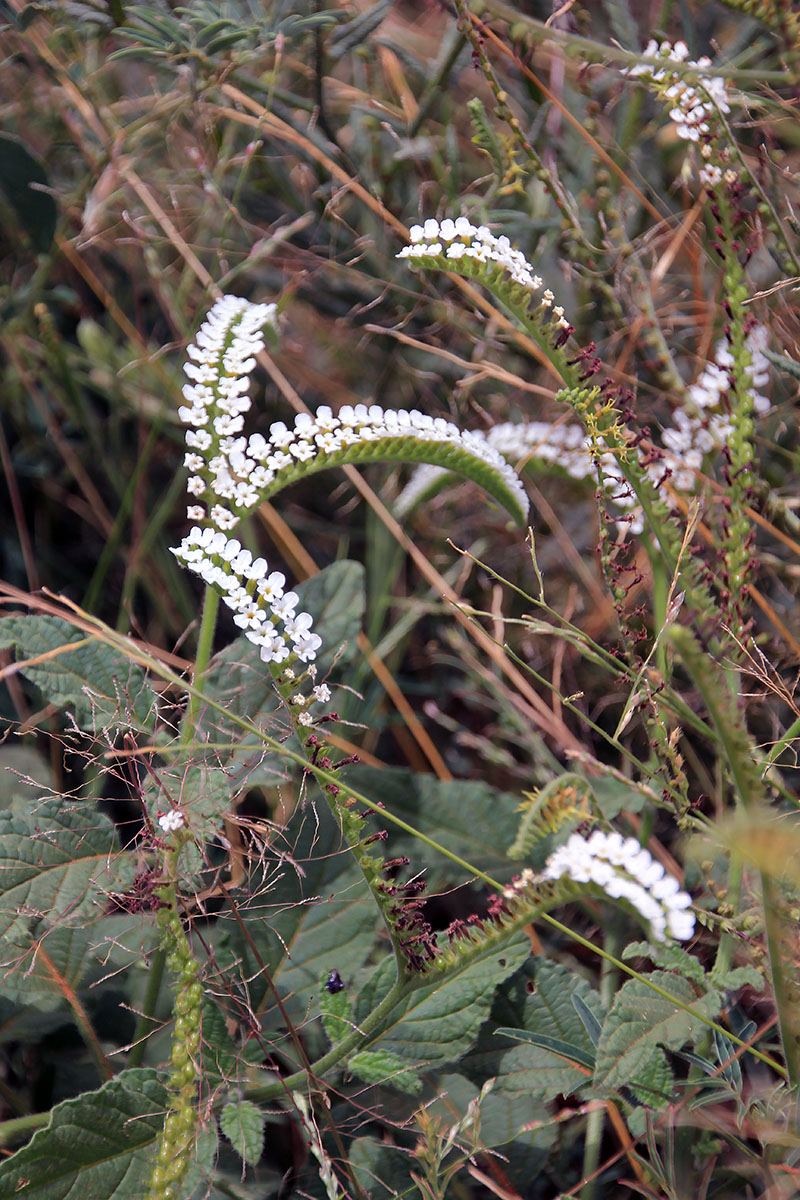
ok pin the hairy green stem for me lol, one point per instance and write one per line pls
(205, 643)
(400, 990)
(144, 1023)
(786, 1008)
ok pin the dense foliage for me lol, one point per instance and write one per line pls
(399, 788)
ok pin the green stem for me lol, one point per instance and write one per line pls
(263, 1092)
(18, 1128)
(783, 1003)
(596, 1118)
(728, 943)
(205, 642)
(145, 1022)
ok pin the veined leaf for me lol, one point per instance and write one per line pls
(317, 916)
(98, 1145)
(440, 1022)
(242, 1122)
(381, 1067)
(101, 686)
(566, 1050)
(543, 1068)
(471, 819)
(640, 1021)
(53, 864)
(337, 1013)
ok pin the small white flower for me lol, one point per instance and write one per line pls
(171, 821)
(321, 693)
(305, 718)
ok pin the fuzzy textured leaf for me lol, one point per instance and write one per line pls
(640, 1021)
(319, 916)
(98, 1146)
(549, 1012)
(379, 1066)
(243, 1125)
(53, 863)
(100, 686)
(472, 820)
(440, 1022)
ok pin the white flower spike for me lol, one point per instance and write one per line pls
(625, 871)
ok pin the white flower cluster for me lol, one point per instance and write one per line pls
(693, 104)
(172, 821)
(219, 363)
(255, 595)
(685, 443)
(461, 239)
(625, 871)
(708, 428)
(229, 471)
(565, 446)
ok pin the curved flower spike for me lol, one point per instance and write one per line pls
(257, 599)
(474, 251)
(231, 474)
(625, 871)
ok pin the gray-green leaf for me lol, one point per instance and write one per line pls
(640, 1020)
(98, 1146)
(101, 686)
(243, 1125)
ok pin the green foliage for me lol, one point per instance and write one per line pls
(99, 1144)
(243, 1125)
(629, 1048)
(537, 1043)
(99, 685)
(57, 863)
(440, 1022)
(382, 1067)
(183, 868)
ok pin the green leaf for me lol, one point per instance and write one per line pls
(790, 365)
(440, 1022)
(566, 1050)
(202, 792)
(102, 687)
(382, 1170)
(337, 1013)
(243, 1125)
(319, 916)
(22, 769)
(98, 1146)
(220, 1053)
(671, 957)
(640, 1021)
(53, 865)
(549, 1011)
(25, 183)
(381, 1067)
(654, 1082)
(35, 971)
(353, 33)
(472, 820)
